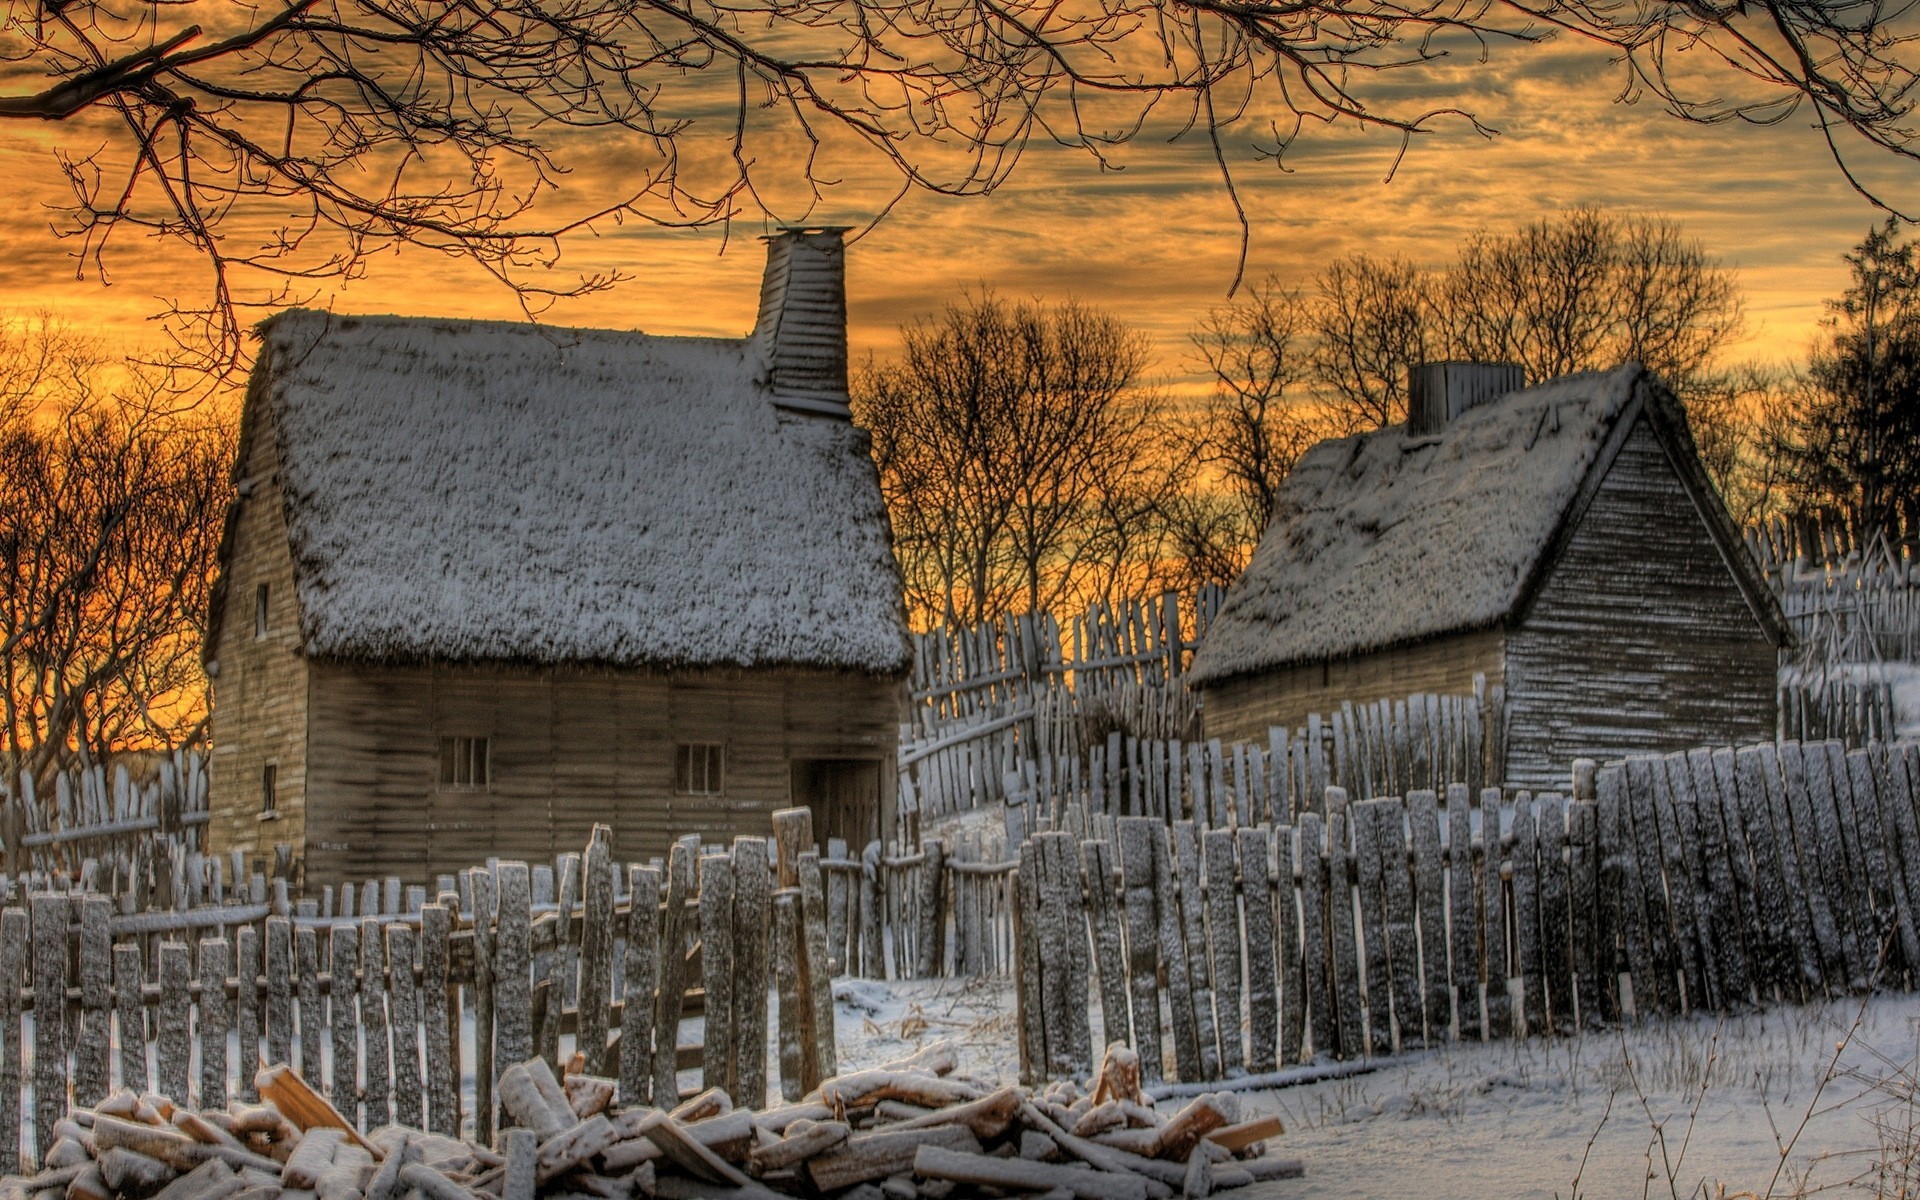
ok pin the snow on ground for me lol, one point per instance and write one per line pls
(1690, 1107)
(1682, 1108)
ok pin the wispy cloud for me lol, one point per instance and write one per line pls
(1155, 242)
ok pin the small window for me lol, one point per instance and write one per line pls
(464, 763)
(698, 768)
(270, 789)
(260, 611)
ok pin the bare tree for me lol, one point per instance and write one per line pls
(1252, 427)
(1011, 439)
(1588, 290)
(107, 546)
(1372, 320)
(344, 128)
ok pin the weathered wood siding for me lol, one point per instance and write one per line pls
(1243, 709)
(260, 695)
(1638, 639)
(568, 749)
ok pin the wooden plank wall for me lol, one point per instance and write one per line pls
(569, 749)
(1704, 669)
(259, 689)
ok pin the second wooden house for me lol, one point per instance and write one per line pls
(487, 584)
(1563, 542)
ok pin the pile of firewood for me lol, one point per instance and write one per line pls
(911, 1128)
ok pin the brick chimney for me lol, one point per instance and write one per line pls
(1439, 392)
(802, 328)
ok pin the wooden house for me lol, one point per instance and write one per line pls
(1563, 541)
(486, 584)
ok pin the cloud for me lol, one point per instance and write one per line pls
(1155, 241)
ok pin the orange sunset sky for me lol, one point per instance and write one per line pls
(1154, 242)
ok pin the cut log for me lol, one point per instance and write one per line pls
(803, 1141)
(303, 1106)
(935, 1162)
(878, 1155)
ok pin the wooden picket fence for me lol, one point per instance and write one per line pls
(1713, 880)
(1029, 688)
(388, 1005)
(135, 833)
(1853, 707)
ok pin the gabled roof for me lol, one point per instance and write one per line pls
(481, 491)
(1381, 539)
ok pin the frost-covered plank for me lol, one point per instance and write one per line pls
(1888, 769)
(488, 1063)
(1225, 940)
(1493, 916)
(1717, 851)
(813, 918)
(1103, 916)
(642, 977)
(129, 1008)
(596, 948)
(50, 913)
(1174, 960)
(1257, 903)
(343, 960)
(1526, 916)
(15, 939)
(1591, 937)
(717, 1064)
(92, 1062)
(1833, 861)
(1289, 971)
(1136, 838)
(306, 944)
(1871, 876)
(1430, 892)
(442, 1096)
(1368, 854)
(1340, 925)
(1313, 923)
(673, 959)
(1403, 944)
(1658, 991)
(752, 900)
(213, 1021)
(1186, 859)
(1811, 879)
(1463, 914)
(1686, 881)
(1556, 962)
(1778, 968)
(1733, 819)
(403, 999)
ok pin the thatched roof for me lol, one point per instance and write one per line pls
(481, 491)
(1381, 539)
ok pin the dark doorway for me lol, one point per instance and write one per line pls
(844, 794)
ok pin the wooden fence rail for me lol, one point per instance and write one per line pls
(1712, 880)
(392, 1011)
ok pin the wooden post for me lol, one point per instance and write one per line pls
(1316, 955)
(795, 1008)
(403, 996)
(596, 949)
(752, 914)
(15, 938)
(1679, 845)
(792, 833)
(873, 948)
(716, 969)
(1661, 992)
(1430, 897)
(1256, 898)
(92, 1064)
(1136, 836)
(637, 1021)
(306, 941)
(1556, 961)
(487, 1062)
(50, 915)
(1805, 878)
(1592, 936)
(1493, 916)
(373, 1024)
(129, 1007)
(1225, 939)
(213, 1022)
(1462, 905)
(1346, 958)
(819, 984)
(1526, 916)
(1403, 947)
(344, 958)
(1620, 893)
(1289, 970)
(1108, 954)
(442, 1081)
(930, 940)
(673, 964)
(1368, 857)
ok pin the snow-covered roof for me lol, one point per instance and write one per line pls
(473, 491)
(1382, 539)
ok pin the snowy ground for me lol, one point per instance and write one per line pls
(1696, 1107)
(1686, 1108)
